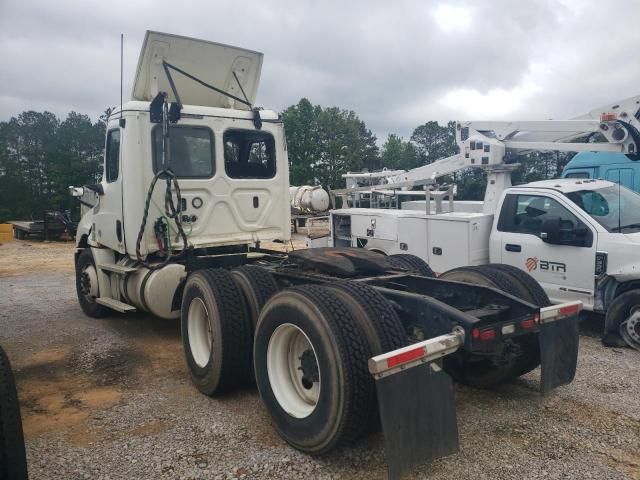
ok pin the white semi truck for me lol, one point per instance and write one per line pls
(579, 238)
(195, 180)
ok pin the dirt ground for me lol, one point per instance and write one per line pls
(112, 398)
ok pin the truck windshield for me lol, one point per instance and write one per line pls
(615, 208)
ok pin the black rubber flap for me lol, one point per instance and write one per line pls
(558, 352)
(418, 415)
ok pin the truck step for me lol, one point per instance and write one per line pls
(115, 268)
(116, 305)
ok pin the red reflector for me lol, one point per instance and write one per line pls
(475, 333)
(529, 323)
(405, 357)
(570, 310)
(487, 335)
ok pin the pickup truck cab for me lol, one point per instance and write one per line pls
(577, 238)
(615, 167)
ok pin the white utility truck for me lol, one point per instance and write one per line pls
(579, 238)
(195, 181)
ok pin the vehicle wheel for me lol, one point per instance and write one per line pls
(216, 331)
(485, 372)
(378, 321)
(534, 291)
(310, 358)
(478, 275)
(375, 315)
(13, 460)
(623, 320)
(257, 285)
(87, 285)
(411, 263)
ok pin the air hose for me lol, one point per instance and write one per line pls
(171, 211)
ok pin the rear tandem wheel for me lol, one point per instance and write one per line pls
(216, 331)
(486, 372)
(310, 357)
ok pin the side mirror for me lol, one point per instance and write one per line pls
(96, 187)
(76, 191)
(551, 230)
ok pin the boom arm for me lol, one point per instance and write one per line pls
(488, 144)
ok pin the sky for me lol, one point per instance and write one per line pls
(396, 64)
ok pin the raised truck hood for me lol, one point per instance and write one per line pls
(213, 63)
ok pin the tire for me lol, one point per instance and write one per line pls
(330, 403)
(483, 276)
(378, 321)
(411, 263)
(484, 372)
(535, 292)
(375, 315)
(618, 313)
(257, 285)
(13, 460)
(87, 285)
(216, 331)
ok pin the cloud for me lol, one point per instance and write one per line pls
(397, 64)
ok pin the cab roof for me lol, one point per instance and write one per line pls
(597, 159)
(566, 185)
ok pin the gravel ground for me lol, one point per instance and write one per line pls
(112, 399)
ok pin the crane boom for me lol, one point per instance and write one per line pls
(488, 145)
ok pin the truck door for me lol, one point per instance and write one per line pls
(543, 237)
(623, 176)
(108, 228)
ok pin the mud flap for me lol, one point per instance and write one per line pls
(418, 416)
(558, 352)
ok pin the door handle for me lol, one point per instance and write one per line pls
(510, 247)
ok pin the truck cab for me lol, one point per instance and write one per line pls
(615, 167)
(578, 238)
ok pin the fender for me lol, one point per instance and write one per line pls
(609, 287)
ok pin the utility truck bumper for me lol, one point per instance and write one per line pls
(415, 396)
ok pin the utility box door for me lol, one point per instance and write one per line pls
(374, 226)
(457, 242)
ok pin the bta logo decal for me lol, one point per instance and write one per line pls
(532, 263)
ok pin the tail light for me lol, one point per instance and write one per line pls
(530, 322)
(485, 335)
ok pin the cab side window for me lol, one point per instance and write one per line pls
(529, 214)
(191, 152)
(249, 154)
(577, 175)
(112, 156)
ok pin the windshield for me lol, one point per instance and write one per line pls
(616, 208)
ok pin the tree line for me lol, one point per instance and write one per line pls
(41, 155)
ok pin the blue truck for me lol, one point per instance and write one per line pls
(615, 167)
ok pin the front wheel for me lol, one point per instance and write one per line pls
(623, 320)
(87, 285)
